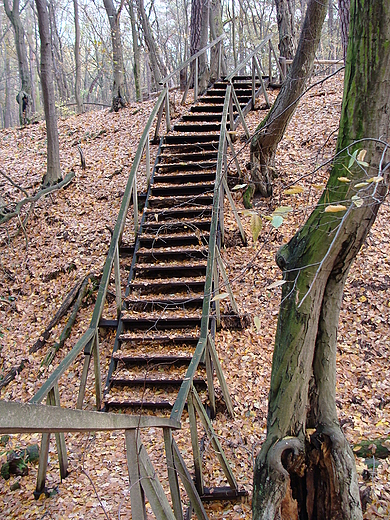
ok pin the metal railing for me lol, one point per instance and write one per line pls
(205, 349)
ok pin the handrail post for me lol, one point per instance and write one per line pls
(96, 365)
(147, 146)
(196, 79)
(167, 110)
(135, 204)
(253, 83)
(269, 62)
(118, 295)
(219, 59)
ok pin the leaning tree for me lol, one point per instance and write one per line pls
(271, 130)
(306, 469)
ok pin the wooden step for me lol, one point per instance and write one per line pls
(167, 287)
(169, 271)
(176, 226)
(163, 303)
(188, 166)
(181, 201)
(190, 139)
(196, 188)
(204, 127)
(188, 156)
(176, 254)
(178, 213)
(179, 339)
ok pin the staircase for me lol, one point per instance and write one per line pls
(158, 328)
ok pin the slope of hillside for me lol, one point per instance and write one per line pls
(66, 237)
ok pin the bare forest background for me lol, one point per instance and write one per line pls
(154, 38)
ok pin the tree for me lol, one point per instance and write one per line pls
(306, 468)
(77, 83)
(158, 68)
(53, 172)
(216, 30)
(136, 52)
(118, 88)
(344, 22)
(271, 130)
(285, 19)
(199, 27)
(24, 95)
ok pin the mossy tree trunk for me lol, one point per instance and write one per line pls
(271, 130)
(306, 468)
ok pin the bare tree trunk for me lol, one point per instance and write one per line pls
(158, 68)
(24, 95)
(199, 27)
(216, 30)
(53, 173)
(77, 83)
(119, 88)
(7, 100)
(344, 22)
(285, 19)
(136, 52)
(271, 130)
(306, 468)
(57, 56)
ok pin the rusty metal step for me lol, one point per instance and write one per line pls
(191, 147)
(199, 118)
(160, 323)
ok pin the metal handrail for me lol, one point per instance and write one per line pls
(187, 62)
(248, 58)
(178, 407)
(86, 341)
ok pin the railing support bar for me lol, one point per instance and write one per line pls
(172, 475)
(137, 500)
(195, 445)
(98, 378)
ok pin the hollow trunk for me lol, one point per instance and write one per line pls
(306, 468)
(53, 172)
(271, 130)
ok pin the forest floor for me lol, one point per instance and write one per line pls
(66, 237)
